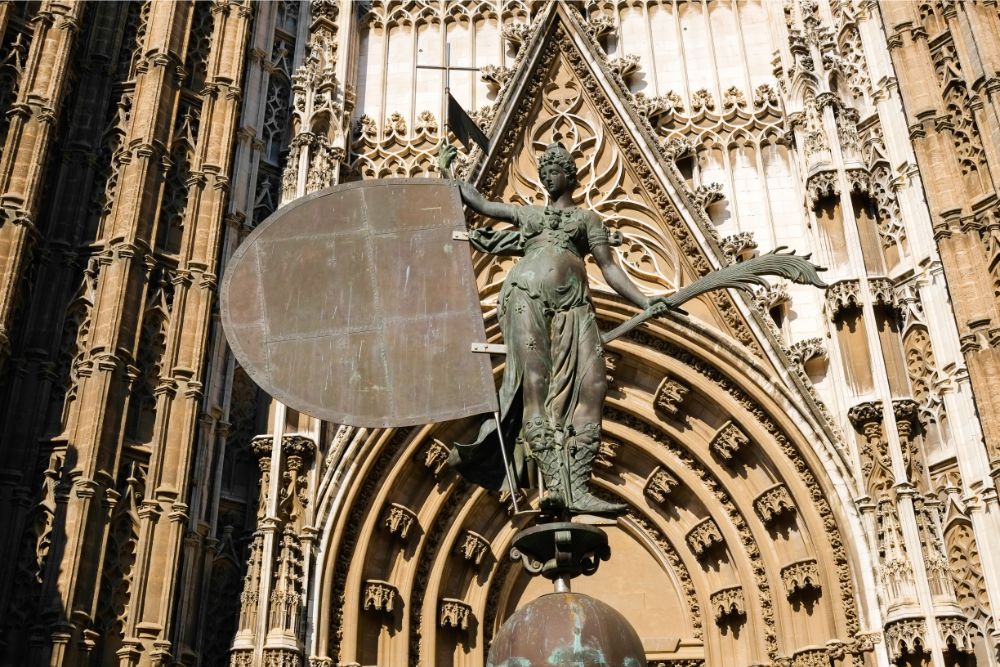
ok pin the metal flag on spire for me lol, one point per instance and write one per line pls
(464, 127)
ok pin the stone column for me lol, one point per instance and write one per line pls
(27, 147)
(98, 414)
(151, 623)
(39, 368)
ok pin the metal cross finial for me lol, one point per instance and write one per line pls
(447, 67)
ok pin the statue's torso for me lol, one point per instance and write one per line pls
(555, 243)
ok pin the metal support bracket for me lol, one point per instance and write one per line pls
(489, 348)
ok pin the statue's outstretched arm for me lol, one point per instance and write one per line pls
(470, 195)
(617, 279)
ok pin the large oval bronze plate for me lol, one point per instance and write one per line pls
(356, 305)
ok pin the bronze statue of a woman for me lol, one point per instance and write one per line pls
(554, 383)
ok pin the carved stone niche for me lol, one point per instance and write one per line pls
(454, 613)
(379, 596)
(473, 547)
(884, 294)
(773, 504)
(507, 501)
(728, 441)
(399, 520)
(434, 456)
(907, 635)
(652, 107)
(771, 297)
(678, 147)
(517, 34)
(860, 180)
(811, 657)
(906, 412)
(607, 453)
(625, 66)
(727, 603)
(297, 445)
(659, 485)
(822, 184)
(807, 349)
(801, 577)
(669, 395)
(865, 414)
(842, 295)
(737, 247)
(707, 194)
(704, 537)
(955, 632)
(610, 367)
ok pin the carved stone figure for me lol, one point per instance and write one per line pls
(554, 384)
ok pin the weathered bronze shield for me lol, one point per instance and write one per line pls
(355, 305)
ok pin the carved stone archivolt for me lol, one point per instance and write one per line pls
(433, 496)
(239, 67)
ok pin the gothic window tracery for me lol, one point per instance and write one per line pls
(199, 43)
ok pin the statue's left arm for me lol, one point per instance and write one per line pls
(616, 278)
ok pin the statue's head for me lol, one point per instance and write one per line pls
(557, 170)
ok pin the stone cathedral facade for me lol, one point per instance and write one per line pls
(812, 476)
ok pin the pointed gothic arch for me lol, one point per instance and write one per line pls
(723, 456)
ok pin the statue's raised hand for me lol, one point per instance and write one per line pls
(446, 155)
